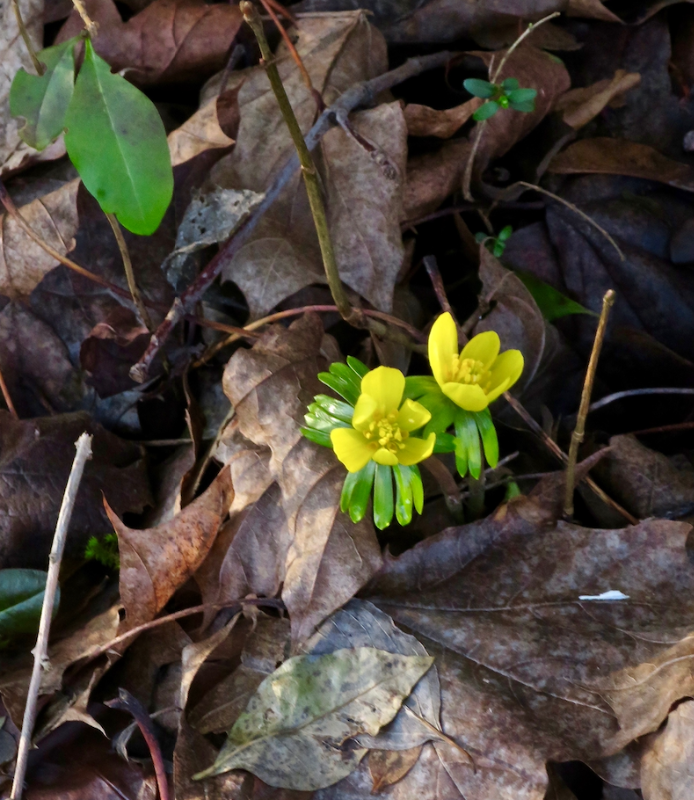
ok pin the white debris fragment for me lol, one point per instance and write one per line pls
(613, 594)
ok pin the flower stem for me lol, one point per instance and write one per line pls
(580, 429)
(308, 168)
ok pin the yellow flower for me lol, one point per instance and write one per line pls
(381, 427)
(476, 377)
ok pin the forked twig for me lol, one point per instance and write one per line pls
(84, 452)
(580, 429)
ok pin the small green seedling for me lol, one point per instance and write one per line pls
(507, 94)
(104, 550)
(495, 244)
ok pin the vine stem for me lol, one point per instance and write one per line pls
(129, 273)
(308, 168)
(24, 33)
(41, 663)
(580, 429)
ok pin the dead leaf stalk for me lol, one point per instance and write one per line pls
(24, 33)
(131, 705)
(580, 429)
(308, 168)
(129, 273)
(7, 397)
(89, 24)
(554, 448)
(40, 652)
(361, 94)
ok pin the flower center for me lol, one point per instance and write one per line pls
(467, 370)
(386, 431)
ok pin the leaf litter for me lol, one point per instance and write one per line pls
(493, 648)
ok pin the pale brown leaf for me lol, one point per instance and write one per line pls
(199, 133)
(579, 106)
(667, 767)
(425, 121)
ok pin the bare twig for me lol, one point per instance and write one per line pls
(610, 398)
(84, 452)
(451, 492)
(126, 702)
(92, 27)
(580, 429)
(129, 273)
(24, 33)
(7, 397)
(361, 94)
(554, 448)
(533, 26)
(434, 274)
(678, 426)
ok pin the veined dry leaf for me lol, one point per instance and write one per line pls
(425, 121)
(168, 41)
(579, 106)
(307, 709)
(529, 672)
(329, 558)
(621, 157)
(249, 464)
(390, 766)
(199, 133)
(157, 561)
(23, 264)
(35, 460)
(431, 177)
(667, 771)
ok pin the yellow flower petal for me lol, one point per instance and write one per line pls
(509, 365)
(416, 450)
(385, 457)
(484, 347)
(363, 412)
(469, 396)
(412, 416)
(386, 386)
(443, 346)
(350, 446)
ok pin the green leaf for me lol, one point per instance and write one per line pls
(509, 84)
(347, 374)
(552, 304)
(320, 420)
(480, 88)
(442, 412)
(490, 441)
(116, 140)
(418, 385)
(292, 731)
(338, 409)
(505, 233)
(486, 110)
(522, 96)
(468, 441)
(361, 492)
(445, 443)
(43, 100)
(318, 437)
(358, 366)
(383, 496)
(340, 386)
(525, 107)
(417, 489)
(403, 498)
(21, 598)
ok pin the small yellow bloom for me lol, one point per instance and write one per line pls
(476, 377)
(381, 427)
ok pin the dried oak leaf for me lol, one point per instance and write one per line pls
(329, 558)
(363, 182)
(157, 561)
(35, 460)
(169, 41)
(23, 264)
(199, 133)
(425, 121)
(667, 771)
(579, 106)
(529, 671)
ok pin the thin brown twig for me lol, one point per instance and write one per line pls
(434, 274)
(610, 398)
(24, 33)
(360, 94)
(89, 24)
(580, 429)
(7, 397)
(554, 448)
(129, 272)
(677, 426)
(41, 663)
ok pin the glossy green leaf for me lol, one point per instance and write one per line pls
(480, 88)
(552, 304)
(417, 489)
(343, 380)
(43, 100)
(359, 499)
(468, 442)
(403, 495)
(505, 233)
(509, 84)
(490, 441)
(358, 366)
(445, 443)
(522, 96)
(318, 437)
(21, 597)
(486, 110)
(116, 140)
(338, 409)
(383, 496)
(442, 412)
(418, 385)
(526, 107)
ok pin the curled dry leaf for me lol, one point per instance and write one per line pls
(305, 712)
(425, 121)
(35, 460)
(579, 106)
(23, 264)
(591, 9)
(156, 561)
(667, 771)
(431, 177)
(390, 766)
(199, 133)
(329, 558)
(528, 671)
(168, 41)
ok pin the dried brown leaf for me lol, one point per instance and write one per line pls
(157, 561)
(23, 264)
(425, 121)
(199, 133)
(592, 9)
(431, 177)
(667, 769)
(579, 106)
(390, 766)
(35, 460)
(270, 386)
